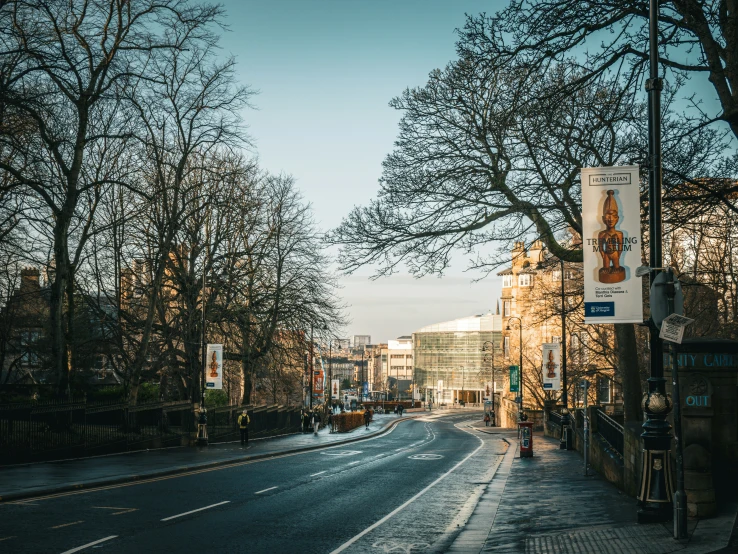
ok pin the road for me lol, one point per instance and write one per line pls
(409, 490)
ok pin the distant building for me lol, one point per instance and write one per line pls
(399, 373)
(451, 362)
(360, 341)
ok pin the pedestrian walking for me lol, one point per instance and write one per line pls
(367, 417)
(400, 408)
(330, 421)
(316, 422)
(486, 419)
(243, 426)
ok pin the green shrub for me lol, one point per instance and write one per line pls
(215, 398)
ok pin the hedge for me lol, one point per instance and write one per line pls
(348, 420)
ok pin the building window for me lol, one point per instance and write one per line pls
(506, 347)
(556, 275)
(555, 339)
(570, 274)
(603, 390)
(506, 308)
(524, 280)
(575, 341)
(506, 281)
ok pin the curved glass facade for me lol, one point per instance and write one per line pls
(452, 352)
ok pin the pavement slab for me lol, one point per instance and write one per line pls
(546, 505)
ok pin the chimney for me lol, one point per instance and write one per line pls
(29, 280)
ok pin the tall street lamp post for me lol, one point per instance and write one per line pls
(566, 442)
(520, 367)
(655, 496)
(485, 349)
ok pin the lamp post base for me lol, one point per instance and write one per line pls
(656, 491)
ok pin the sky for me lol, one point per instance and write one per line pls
(325, 71)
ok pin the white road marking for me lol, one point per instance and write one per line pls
(122, 510)
(198, 510)
(265, 490)
(399, 449)
(351, 541)
(6, 538)
(356, 462)
(319, 473)
(67, 524)
(89, 544)
(342, 453)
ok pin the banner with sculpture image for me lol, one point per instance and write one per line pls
(335, 389)
(551, 366)
(214, 367)
(611, 242)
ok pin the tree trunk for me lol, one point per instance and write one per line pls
(627, 356)
(59, 360)
(245, 370)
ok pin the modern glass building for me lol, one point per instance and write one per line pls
(454, 360)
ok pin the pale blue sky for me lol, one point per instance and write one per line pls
(325, 71)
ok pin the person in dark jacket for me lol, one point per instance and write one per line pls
(316, 421)
(367, 417)
(243, 426)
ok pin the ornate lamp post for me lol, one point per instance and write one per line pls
(519, 326)
(486, 347)
(655, 495)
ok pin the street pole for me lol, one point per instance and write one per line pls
(311, 366)
(202, 420)
(329, 400)
(655, 492)
(680, 496)
(520, 367)
(565, 443)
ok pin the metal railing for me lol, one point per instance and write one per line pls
(611, 431)
(62, 429)
(555, 418)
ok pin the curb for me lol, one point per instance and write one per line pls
(25, 495)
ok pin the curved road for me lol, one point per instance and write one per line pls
(409, 490)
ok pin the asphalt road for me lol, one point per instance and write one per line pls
(409, 490)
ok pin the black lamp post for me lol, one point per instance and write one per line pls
(485, 349)
(520, 367)
(566, 442)
(655, 495)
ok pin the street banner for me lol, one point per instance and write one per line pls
(366, 389)
(611, 241)
(335, 389)
(214, 367)
(551, 366)
(318, 383)
(514, 378)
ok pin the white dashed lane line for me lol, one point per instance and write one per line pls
(89, 544)
(198, 510)
(319, 473)
(265, 490)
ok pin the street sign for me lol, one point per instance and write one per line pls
(660, 301)
(672, 328)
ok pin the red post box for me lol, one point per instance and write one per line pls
(526, 439)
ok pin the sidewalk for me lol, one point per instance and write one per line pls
(546, 505)
(39, 479)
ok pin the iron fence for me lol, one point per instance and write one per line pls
(555, 418)
(63, 429)
(611, 431)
